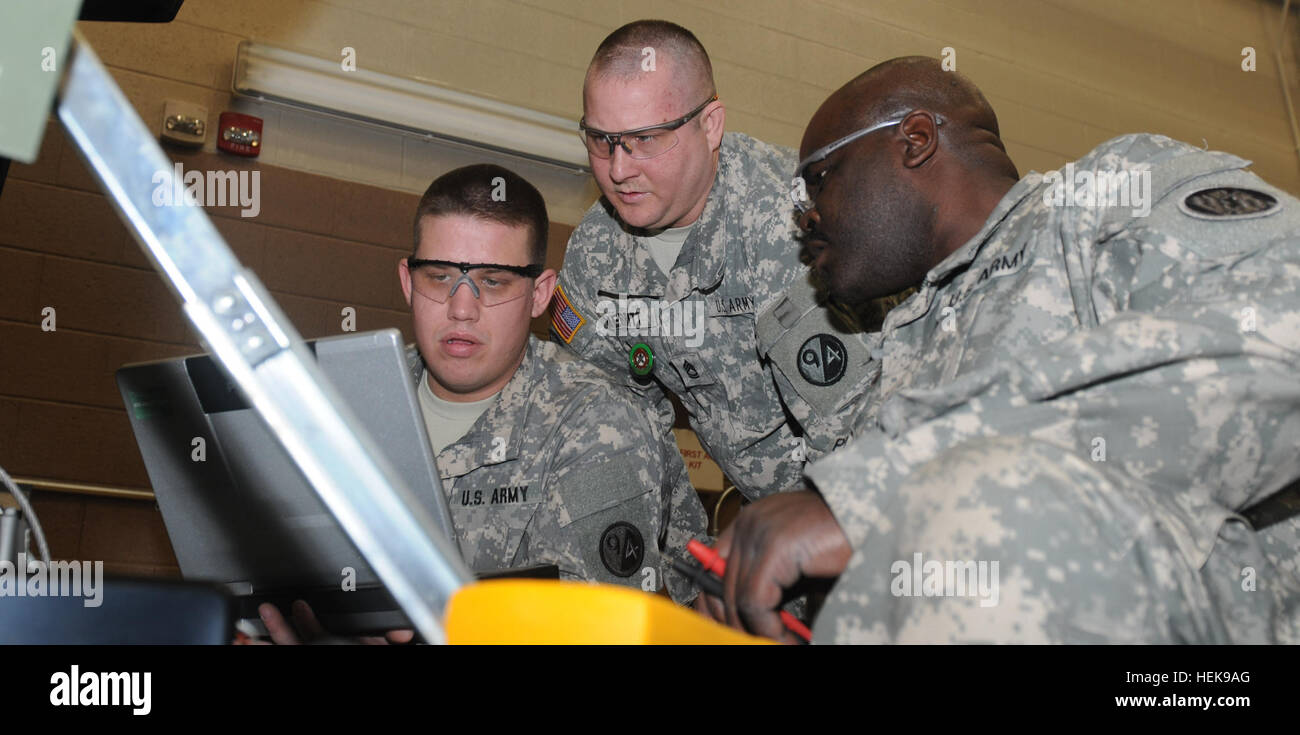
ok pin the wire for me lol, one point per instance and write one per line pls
(717, 509)
(29, 513)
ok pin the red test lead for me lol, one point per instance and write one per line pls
(714, 563)
(706, 556)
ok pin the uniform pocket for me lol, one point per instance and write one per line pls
(489, 533)
(742, 383)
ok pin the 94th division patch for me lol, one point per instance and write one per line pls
(622, 549)
(565, 319)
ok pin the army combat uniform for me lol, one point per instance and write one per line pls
(566, 468)
(740, 254)
(1069, 416)
(824, 364)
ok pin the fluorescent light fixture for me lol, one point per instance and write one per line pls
(277, 75)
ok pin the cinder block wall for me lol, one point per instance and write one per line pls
(1064, 75)
(319, 244)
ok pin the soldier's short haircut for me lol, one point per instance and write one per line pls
(920, 82)
(491, 193)
(621, 53)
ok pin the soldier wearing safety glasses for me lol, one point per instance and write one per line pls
(694, 236)
(545, 460)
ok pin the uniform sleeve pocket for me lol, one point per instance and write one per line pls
(489, 533)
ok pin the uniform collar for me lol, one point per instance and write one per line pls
(962, 256)
(703, 255)
(919, 303)
(505, 418)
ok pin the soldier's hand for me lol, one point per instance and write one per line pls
(399, 637)
(307, 629)
(304, 629)
(774, 543)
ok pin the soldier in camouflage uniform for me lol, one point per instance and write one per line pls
(823, 362)
(544, 458)
(1062, 428)
(563, 466)
(739, 253)
(565, 469)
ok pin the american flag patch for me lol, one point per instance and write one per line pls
(565, 319)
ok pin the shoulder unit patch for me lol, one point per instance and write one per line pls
(622, 549)
(1229, 202)
(822, 360)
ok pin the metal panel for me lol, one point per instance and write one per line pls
(249, 335)
(33, 47)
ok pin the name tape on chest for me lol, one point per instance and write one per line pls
(1002, 265)
(730, 305)
(504, 495)
(628, 316)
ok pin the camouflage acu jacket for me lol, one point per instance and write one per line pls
(740, 255)
(1090, 392)
(566, 468)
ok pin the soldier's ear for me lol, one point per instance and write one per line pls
(543, 287)
(404, 275)
(921, 129)
(714, 120)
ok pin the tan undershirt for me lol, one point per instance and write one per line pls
(666, 246)
(448, 421)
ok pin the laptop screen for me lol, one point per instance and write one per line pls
(236, 508)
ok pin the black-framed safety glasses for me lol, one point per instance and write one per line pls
(491, 283)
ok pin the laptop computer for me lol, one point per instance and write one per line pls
(236, 508)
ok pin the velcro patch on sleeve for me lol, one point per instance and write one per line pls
(565, 319)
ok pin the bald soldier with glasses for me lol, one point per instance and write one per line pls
(694, 237)
(641, 143)
(823, 353)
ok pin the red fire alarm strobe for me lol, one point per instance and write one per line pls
(240, 134)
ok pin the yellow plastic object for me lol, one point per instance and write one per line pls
(521, 611)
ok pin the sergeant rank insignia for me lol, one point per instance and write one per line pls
(1228, 202)
(622, 549)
